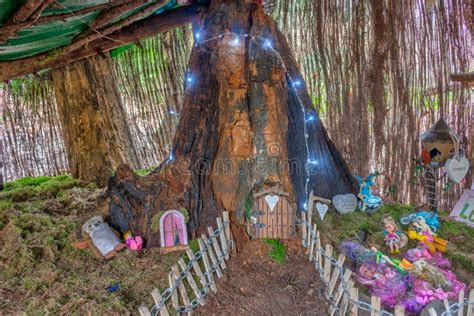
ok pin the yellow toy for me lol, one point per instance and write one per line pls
(421, 231)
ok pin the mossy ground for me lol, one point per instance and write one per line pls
(42, 273)
(336, 227)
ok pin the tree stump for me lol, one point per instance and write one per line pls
(247, 123)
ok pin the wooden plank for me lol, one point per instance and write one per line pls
(207, 266)
(157, 299)
(212, 256)
(181, 289)
(375, 302)
(225, 216)
(432, 312)
(282, 219)
(196, 267)
(340, 290)
(225, 247)
(174, 295)
(272, 191)
(327, 263)
(354, 296)
(217, 249)
(318, 247)
(310, 221)
(399, 310)
(335, 274)
(345, 299)
(191, 281)
(311, 245)
(303, 228)
(470, 307)
(143, 310)
(461, 303)
(271, 216)
(446, 305)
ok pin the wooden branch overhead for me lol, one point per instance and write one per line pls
(15, 28)
(130, 34)
(80, 42)
(25, 11)
(32, 9)
(465, 78)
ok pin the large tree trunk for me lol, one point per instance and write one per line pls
(242, 129)
(96, 133)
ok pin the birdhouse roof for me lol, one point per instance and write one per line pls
(440, 132)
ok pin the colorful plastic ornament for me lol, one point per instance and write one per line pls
(133, 243)
(368, 202)
(438, 143)
(431, 219)
(420, 231)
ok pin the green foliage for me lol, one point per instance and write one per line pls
(193, 245)
(144, 172)
(29, 187)
(278, 250)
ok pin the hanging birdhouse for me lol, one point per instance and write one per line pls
(438, 143)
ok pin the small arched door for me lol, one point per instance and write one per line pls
(274, 220)
(173, 229)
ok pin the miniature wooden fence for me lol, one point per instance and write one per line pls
(340, 288)
(190, 282)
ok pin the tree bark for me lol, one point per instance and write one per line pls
(95, 129)
(241, 130)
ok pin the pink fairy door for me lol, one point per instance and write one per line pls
(173, 229)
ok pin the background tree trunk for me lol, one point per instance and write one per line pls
(243, 128)
(96, 133)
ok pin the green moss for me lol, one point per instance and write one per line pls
(44, 186)
(194, 245)
(459, 259)
(278, 250)
(49, 275)
(27, 182)
(5, 206)
(155, 222)
(185, 214)
(144, 172)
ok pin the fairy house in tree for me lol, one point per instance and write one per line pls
(247, 123)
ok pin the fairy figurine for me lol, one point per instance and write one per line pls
(394, 238)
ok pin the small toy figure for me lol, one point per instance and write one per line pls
(394, 238)
(133, 243)
(420, 231)
(431, 219)
(368, 202)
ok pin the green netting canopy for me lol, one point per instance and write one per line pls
(43, 37)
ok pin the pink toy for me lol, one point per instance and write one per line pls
(134, 243)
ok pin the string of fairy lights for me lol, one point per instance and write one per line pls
(236, 40)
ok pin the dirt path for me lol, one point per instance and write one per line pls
(255, 285)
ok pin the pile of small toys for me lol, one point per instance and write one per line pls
(421, 276)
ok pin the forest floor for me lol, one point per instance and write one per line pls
(40, 270)
(255, 284)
